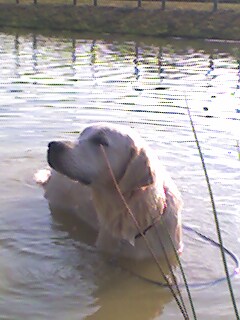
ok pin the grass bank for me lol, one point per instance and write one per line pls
(200, 23)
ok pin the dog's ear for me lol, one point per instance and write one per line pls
(138, 172)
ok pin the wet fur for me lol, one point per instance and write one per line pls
(81, 182)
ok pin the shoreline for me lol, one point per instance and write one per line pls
(219, 25)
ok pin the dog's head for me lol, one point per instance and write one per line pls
(84, 160)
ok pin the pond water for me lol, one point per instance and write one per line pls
(51, 86)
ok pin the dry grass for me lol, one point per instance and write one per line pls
(170, 5)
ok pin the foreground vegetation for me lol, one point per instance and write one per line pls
(192, 20)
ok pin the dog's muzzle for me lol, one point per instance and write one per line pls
(55, 153)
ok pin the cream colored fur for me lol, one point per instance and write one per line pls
(150, 193)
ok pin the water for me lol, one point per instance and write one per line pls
(51, 86)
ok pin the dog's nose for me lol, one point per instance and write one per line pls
(55, 146)
(55, 149)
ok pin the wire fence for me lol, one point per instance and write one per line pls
(151, 4)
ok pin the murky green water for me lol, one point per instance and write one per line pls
(50, 87)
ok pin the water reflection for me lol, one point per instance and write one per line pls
(163, 56)
(35, 53)
(211, 66)
(17, 60)
(238, 85)
(50, 88)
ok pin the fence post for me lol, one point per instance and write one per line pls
(163, 4)
(215, 5)
(34, 2)
(139, 3)
(95, 3)
(17, 1)
(74, 2)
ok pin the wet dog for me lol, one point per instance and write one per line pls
(81, 180)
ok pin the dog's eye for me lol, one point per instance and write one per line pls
(100, 140)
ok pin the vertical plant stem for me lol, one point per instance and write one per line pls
(214, 213)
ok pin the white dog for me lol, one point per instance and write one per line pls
(81, 181)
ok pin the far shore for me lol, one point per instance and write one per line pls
(222, 24)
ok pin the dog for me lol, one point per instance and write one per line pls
(114, 182)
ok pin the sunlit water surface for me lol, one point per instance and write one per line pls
(50, 88)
